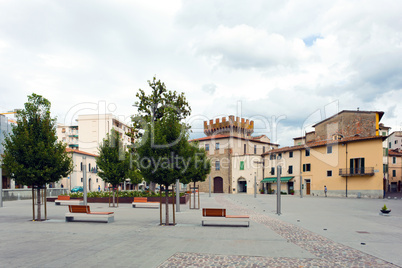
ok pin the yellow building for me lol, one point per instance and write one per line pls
(343, 154)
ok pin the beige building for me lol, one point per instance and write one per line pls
(236, 162)
(395, 171)
(76, 178)
(69, 135)
(95, 127)
(344, 153)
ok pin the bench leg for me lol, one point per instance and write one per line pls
(57, 203)
(69, 219)
(133, 206)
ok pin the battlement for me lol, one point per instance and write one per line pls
(232, 126)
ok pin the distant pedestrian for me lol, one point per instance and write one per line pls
(325, 190)
(98, 188)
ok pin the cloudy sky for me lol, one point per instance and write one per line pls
(284, 64)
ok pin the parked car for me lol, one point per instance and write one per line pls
(77, 189)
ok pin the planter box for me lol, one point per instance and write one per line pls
(128, 200)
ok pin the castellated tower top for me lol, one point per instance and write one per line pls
(234, 126)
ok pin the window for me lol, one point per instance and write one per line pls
(217, 146)
(272, 157)
(279, 156)
(207, 147)
(384, 168)
(394, 173)
(245, 148)
(81, 166)
(329, 173)
(290, 170)
(217, 165)
(308, 152)
(389, 145)
(393, 160)
(272, 171)
(384, 133)
(89, 167)
(263, 149)
(82, 180)
(63, 130)
(290, 154)
(357, 166)
(329, 149)
(96, 179)
(306, 167)
(255, 149)
(241, 165)
(396, 142)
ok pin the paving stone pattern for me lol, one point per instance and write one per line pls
(328, 252)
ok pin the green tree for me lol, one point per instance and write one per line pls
(199, 167)
(163, 157)
(152, 109)
(113, 161)
(32, 154)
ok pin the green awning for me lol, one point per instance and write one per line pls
(273, 179)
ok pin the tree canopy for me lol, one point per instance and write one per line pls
(152, 107)
(32, 154)
(113, 161)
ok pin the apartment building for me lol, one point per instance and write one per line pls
(69, 135)
(394, 171)
(343, 153)
(236, 162)
(76, 178)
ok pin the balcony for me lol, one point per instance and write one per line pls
(362, 171)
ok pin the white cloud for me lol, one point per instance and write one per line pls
(278, 58)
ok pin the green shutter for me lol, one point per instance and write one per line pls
(241, 165)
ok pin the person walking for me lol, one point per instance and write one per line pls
(325, 190)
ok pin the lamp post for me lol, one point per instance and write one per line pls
(255, 178)
(84, 171)
(209, 186)
(278, 192)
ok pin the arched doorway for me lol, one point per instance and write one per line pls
(241, 185)
(218, 185)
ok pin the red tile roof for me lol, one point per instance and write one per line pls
(69, 150)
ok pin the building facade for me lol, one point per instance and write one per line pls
(344, 154)
(235, 155)
(394, 171)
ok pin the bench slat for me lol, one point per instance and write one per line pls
(214, 212)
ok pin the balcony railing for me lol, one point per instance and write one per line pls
(362, 171)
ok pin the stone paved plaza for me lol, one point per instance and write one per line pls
(310, 232)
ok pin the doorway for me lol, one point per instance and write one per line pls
(242, 185)
(218, 185)
(307, 187)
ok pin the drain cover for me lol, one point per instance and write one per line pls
(362, 232)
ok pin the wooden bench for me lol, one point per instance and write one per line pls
(219, 215)
(144, 203)
(64, 200)
(84, 212)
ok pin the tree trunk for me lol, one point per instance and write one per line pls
(114, 189)
(167, 205)
(194, 194)
(152, 186)
(38, 203)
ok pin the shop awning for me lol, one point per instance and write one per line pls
(273, 179)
